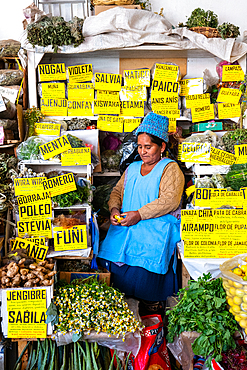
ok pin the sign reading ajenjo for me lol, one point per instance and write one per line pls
(76, 157)
(108, 81)
(53, 106)
(28, 185)
(60, 184)
(80, 73)
(196, 152)
(70, 239)
(51, 72)
(55, 147)
(35, 251)
(35, 228)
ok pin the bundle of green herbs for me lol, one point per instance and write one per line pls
(80, 195)
(202, 307)
(232, 138)
(201, 18)
(236, 178)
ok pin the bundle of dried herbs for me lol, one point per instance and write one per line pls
(9, 48)
(227, 30)
(55, 31)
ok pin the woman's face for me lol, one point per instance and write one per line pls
(149, 152)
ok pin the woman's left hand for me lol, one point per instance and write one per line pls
(130, 218)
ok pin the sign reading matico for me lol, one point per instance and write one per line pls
(137, 77)
(196, 152)
(34, 251)
(60, 184)
(69, 239)
(55, 147)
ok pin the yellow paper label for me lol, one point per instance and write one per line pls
(80, 108)
(241, 153)
(47, 128)
(110, 123)
(166, 72)
(55, 147)
(108, 81)
(191, 86)
(197, 100)
(132, 108)
(172, 125)
(104, 95)
(76, 157)
(80, 73)
(191, 189)
(130, 124)
(228, 110)
(216, 198)
(164, 103)
(136, 92)
(228, 95)
(137, 77)
(164, 88)
(80, 91)
(27, 324)
(36, 211)
(204, 113)
(60, 184)
(37, 241)
(106, 107)
(179, 152)
(28, 185)
(35, 228)
(52, 72)
(220, 157)
(214, 233)
(53, 107)
(232, 73)
(196, 152)
(35, 251)
(33, 198)
(70, 239)
(53, 90)
(170, 113)
(25, 299)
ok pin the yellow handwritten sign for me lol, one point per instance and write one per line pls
(24, 299)
(35, 251)
(216, 198)
(110, 123)
(60, 184)
(166, 72)
(172, 125)
(52, 72)
(108, 81)
(80, 108)
(241, 153)
(80, 91)
(28, 185)
(33, 198)
(132, 108)
(232, 73)
(228, 95)
(228, 110)
(191, 86)
(220, 157)
(136, 77)
(47, 128)
(55, 147)
(204, 113)
(80, 73)
(37, 241)
(197, 100)
(70, 239)
(104, 95)
(131, 124)
(164, 103)
(53, 90)
(137, 92)
(106, 107)
(53, 107)
(170, 113)
(35, 228)
(76, 157)
(35, 211)
(196, 152)
(164, 88)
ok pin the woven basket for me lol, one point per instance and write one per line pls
(206, 31)
(113, 2)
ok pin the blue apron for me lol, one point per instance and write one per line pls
(151, 243)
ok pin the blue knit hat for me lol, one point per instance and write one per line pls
(156, 125)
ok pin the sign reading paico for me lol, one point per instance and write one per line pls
(60, 184)
(34, 251)
(55, 147)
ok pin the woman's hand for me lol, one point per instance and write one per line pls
(114, 212)
(130, 218)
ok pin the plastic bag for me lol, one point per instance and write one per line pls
(153, 354)
(206, 137)
(130, 152)
(219, 66)
(29, 149)
(10, 77)
(204, 182)
(218, 181)
(10, 111)
(8, 124)
(111, 142)
(9, 48)
(209, 79)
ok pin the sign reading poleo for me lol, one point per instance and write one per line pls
(52, 72)
(35, 251)
(70, 239)
(54, 147)
(108, 81)
(60, 184)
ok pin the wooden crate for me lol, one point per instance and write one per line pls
(70, 276)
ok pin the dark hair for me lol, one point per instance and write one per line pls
(154, 139)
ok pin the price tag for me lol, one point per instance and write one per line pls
(228, 95)
(137, 77)
(216, 198)
(35, 228)
(80, 108)
(76, 157)
(70, 239)
(196, 152)
(60, 184)
(9, 92)
(53, 90)
(130, 124)
(220, 157)
(241, 153)
(204, 113)
(35, 251)
(53, 107)
(232, 73)
(228, 110)
(191, 86)
(106, 107)
(47, 128)
(136, 92)
(52, 72)
(104, 95)
(80, 73)
(197, 100)
(108, 81)
(164, 88)
(172, 125)
(166, 72)
(55, 147)
(132, 108)
(28, 185)
(80, 91)
(110, 123)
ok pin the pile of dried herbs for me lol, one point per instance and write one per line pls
(55, 31)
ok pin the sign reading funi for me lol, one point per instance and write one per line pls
(70, 239)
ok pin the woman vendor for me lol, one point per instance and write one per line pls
(140, 250)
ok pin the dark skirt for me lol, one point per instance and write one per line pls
(139, 283)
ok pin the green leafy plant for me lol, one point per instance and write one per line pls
(228, 30)
(202, 307)
(232, 138)
(80, 195)
(202, 18)
(32, 115)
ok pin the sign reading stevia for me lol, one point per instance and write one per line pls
(52, 72)
(35, 228)
(70, 239)
(35, 251)
(137, 77)
(196, 152)
(108, 81)
(60, 184)
(47, 128)
(80, 73)
(55, 147)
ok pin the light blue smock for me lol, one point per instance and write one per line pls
(150, 243)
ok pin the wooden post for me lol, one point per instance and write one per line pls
(185, 276)
(24, 360)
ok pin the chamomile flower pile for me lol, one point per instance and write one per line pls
(94, 306)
